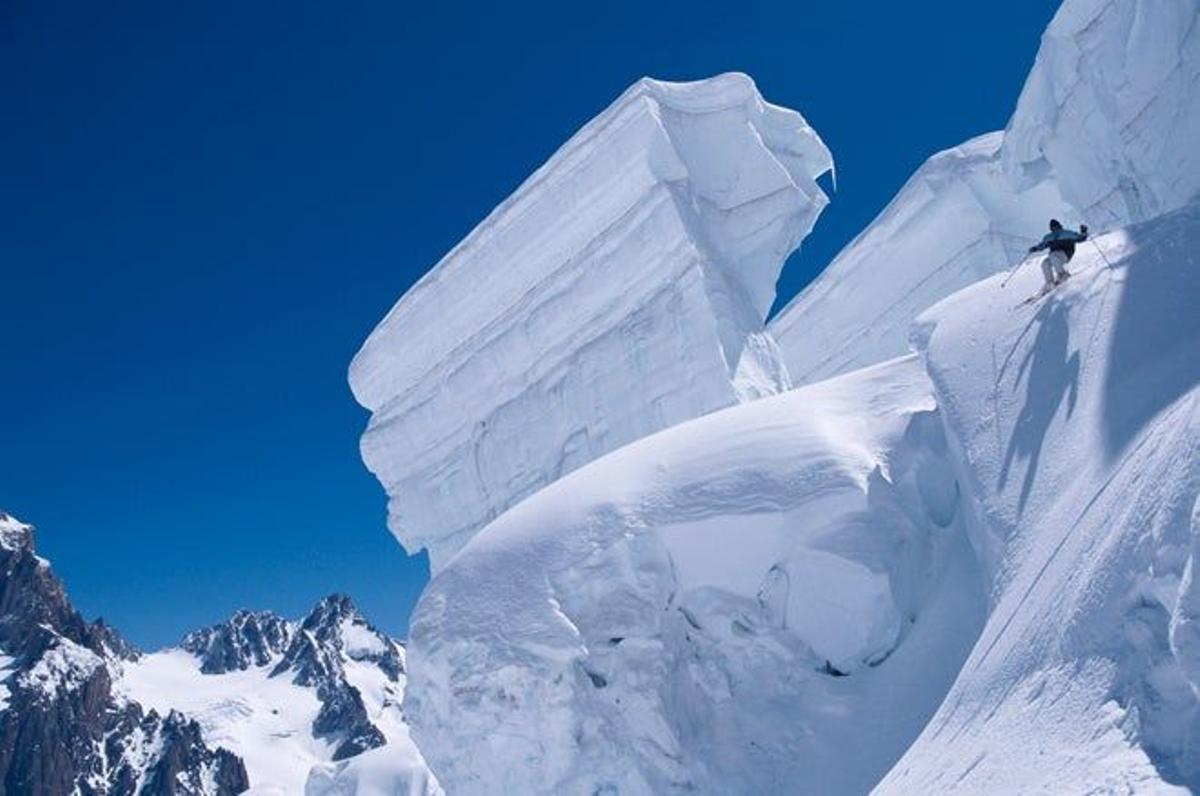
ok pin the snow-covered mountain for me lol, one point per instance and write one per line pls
(300, 702)
(1104, 132)
(256, 702)
(64, 727)
(621, 289)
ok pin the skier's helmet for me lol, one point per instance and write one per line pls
(1054, 225)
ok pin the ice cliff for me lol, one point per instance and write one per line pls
(1104, 132)
(620, 290)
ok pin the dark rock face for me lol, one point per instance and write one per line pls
(185, 757)
(246, 639)
(314, 659)
(62, 731)
(31, 597)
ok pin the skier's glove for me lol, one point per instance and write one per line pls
(1083, 228)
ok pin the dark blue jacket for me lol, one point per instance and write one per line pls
(1061, 240)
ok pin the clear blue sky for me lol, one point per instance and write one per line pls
(205, 207)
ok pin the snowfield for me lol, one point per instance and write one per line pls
(264, 720)
(621, 289)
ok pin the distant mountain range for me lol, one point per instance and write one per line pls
(258, 702)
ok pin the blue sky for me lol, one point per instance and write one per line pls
(205, 208)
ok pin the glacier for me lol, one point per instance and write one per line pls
(1103, 133)
(969, 569)
(960, 556)
(621, 289)
(779, 592)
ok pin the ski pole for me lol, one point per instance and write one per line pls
(1016, 267)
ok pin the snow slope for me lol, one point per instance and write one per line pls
(621, 289)
(774, 596)
(1104, 132)
(266, 721)
(1079, 427)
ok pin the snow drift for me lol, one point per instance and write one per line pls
(772, 596)
(1104, 132)
(621, 289)
(1079, 427)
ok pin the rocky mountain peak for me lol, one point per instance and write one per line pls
(333, 633)
(246, 639)
(34, 602)
(62, 729)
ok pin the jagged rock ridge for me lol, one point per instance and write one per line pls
(62, 728)
(318, 692)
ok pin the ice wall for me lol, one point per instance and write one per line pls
(621, 289)
(770, 598)
(1078, 423)
(1112, 109)
(1104, 132)
(958, 219)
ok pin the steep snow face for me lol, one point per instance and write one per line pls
(780, 592)
(1079, 423)
(621, 289)
(1104, 132)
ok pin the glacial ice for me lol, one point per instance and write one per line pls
(1078, 426)
(971, 570)
(778, 592)
(620, 290)
(1104, 132)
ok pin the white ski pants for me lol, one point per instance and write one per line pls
(1054, 267)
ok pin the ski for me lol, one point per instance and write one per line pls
(1036, 297)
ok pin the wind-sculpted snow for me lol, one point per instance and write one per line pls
(621, 289)
(1104, 132)
(1079, 425)
(771, 598)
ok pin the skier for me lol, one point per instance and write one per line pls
(1061, 243)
